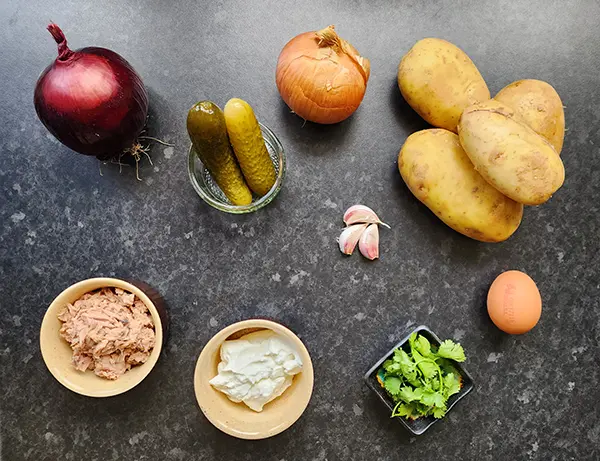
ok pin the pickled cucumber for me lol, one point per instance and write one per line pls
(208, 132)
(249, 146)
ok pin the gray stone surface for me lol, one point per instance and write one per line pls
(61, 221)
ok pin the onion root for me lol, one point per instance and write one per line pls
(136, 151)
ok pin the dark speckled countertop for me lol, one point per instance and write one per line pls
(536, 397)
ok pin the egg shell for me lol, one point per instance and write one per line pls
(514, 302)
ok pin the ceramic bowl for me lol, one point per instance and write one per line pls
(57, 353)
(237, 419)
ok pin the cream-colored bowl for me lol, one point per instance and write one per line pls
(237, 419)
(57, 353)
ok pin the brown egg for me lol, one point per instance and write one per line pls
(514, 302)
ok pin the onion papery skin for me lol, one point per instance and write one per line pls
(91, 100)
(322, 84)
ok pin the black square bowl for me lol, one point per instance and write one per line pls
(420, 425)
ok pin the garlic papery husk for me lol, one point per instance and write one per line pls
(362, 214)
(349, 238)
(369, 242)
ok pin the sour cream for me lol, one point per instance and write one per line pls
(256, 368)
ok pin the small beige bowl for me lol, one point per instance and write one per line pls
(57, 353)
(237, 419)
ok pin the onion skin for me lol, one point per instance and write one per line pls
(321, 77)
(91, 100)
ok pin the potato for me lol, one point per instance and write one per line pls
(439, 81)
(439, 173)
(509, 154)
(540, 106)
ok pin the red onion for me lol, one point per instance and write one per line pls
(91, 99)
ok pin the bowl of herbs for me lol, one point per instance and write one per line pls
(421, 379)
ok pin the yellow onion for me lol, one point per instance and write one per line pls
(321, 77)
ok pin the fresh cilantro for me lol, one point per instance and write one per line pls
(391, 367)
(421, 379)
(439, 412)
(407, 367)
(427, 366)
(412, 340)
(451, 350)
(405, 409)
(447, 366)
(423, 346)
(408, 394)
(392, 385)
(433, 399)
(451, 385)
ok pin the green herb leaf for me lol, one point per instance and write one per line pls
(451, 385)
(398, 355)
(451, 350)
(391, 366)
(404, 409)
(427, 366)
(432, 399)
(407, 367)
(412, 340)
(423, 410)
(423, 346)
(392, 385)
(427, 385)
(447, 366)
(439, 412)
(408, 394)
(436, 385)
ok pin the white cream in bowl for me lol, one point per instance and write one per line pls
(256, 368)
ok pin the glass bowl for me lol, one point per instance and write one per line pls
(208, 190)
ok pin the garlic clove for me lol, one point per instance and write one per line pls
(349, 238)
(359, 213)
(362, 214)
(369, 242)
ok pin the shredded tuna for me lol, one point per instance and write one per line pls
(109, 330)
